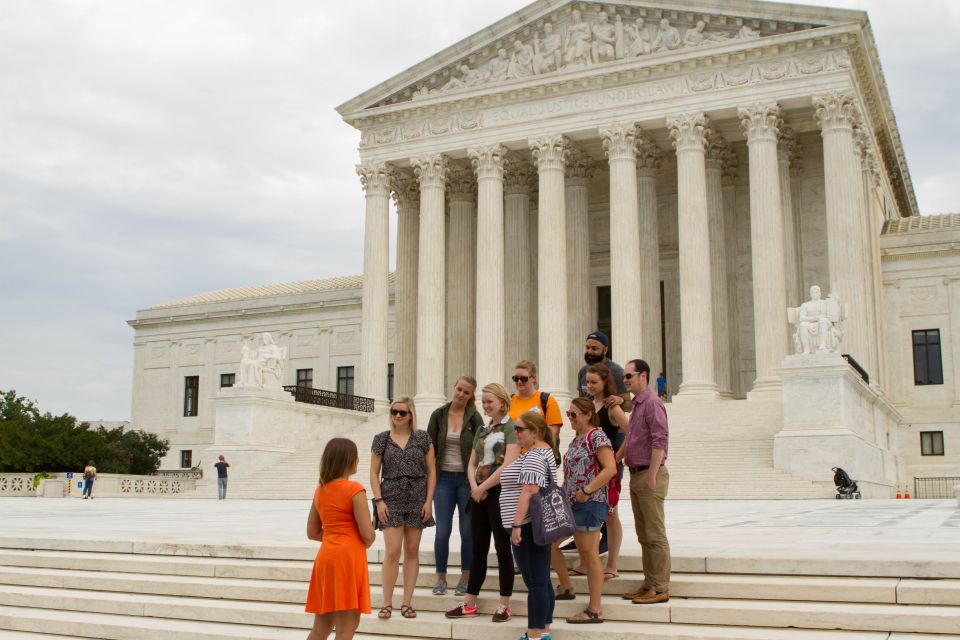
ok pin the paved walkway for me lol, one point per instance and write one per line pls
(921, 530)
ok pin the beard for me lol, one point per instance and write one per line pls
(590, 358)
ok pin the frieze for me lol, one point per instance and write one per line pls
(693, 83)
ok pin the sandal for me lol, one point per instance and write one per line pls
(564, 594)
(610, 575)
(576, 572)
(585, 617)
(385, 612)
(407, 611)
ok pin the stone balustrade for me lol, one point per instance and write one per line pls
(107, 485)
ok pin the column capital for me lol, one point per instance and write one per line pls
(715, 149)
(869, 161)
(580, 167)
(375, 177)
(405, 187)
(430, 169)
(729, 163)
(688, 131)
(461, 184)
(648, 156)
(550, 151)
(519, 175)
(760, 121)
(789, 148)
(619, 140)
(488, 160)
(835, 110)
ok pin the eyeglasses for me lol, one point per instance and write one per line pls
(523, 379)
(517, 428)
(572, 415)
(399, 412)
(628, 375)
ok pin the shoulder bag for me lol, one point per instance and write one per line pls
(551, 513)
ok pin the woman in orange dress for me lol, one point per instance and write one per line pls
(340, 520)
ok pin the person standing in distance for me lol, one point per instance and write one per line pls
(89, 475)
(645, 453)
(222, 478)
(662, 386)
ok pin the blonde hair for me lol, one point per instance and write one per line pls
(410, 407)
(529, 365)
(499, 392)
(534, 420)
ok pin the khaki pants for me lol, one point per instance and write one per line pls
(651, 530)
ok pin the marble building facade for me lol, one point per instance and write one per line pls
(677, 173)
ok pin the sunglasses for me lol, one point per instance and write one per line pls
(573, 415)
(629, 375)
(518, 428)
(523, 379)
(399, 412)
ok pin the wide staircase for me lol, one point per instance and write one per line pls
(144, 591)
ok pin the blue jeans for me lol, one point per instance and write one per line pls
(88, 487)
(221, 488)
(534, 562)
(452, 492)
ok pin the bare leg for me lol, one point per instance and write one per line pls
(559, 564)
(347, 623)
(393, 540)
(614, 540)
(588, 546)
(411, 561)
(322, 626)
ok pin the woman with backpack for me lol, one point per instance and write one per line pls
(529, 398)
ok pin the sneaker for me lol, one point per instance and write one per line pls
(462, 611)
(502, 614)
(461, 588)
(440, 588)
(570, 546)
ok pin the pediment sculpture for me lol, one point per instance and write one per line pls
(262, 367)
(818, 323)
(578, 43)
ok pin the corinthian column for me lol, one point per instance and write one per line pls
(716, 148)
(651, 328)
(490, 339)
(688, 132)
(431, 291)
(619, 143)
(787, 150)
(461, 273)
(579, 170)
(729, 187)
(836, 115)
(375, 178)
(760, 124)
(870, 224)
(406, 193)
(550, 154)
(519, 178)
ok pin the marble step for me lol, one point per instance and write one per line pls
(782, 614)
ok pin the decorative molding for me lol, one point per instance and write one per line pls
(760, 121)
(689, 131)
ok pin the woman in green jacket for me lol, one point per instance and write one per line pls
(452, 428)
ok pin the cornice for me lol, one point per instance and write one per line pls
(215, 316)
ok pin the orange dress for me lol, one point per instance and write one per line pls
(340, 580)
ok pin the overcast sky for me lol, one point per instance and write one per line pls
(151, 150)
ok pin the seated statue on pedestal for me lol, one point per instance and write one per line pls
(263, 368)
(817, 323)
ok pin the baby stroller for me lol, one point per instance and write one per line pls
(847, 488)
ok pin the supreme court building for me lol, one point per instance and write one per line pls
(675, 173)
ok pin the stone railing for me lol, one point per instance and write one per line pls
(106, 485)
(16, 484)
(151, 485)
(189, 474)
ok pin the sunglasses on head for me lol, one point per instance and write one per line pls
(523, 379)
(399, 412)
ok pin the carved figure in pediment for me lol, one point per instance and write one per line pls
(548, 54)
(667, 38)
(639, 38)
(747, 33)
(421, 91)
(604, 45)
(578, 49)
(521, 62)
(498, 67)
(694, 37)
(469, 78)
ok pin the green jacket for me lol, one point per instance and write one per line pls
(437, 430)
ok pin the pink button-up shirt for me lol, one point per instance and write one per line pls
(648, 429)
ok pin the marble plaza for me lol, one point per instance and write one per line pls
(719, 186)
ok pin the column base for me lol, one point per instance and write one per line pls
(766, 387)
(697, 390)
(427, 403)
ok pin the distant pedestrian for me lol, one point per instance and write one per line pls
(89, 475)
(662, 386)
(222, 478)
(340, 520)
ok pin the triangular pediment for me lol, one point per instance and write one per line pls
(549, 38)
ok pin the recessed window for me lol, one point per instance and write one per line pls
(931, 443)
(390, 381)
(927, 363)
(305, 378)
(186, 458)
(191, 396)
(345, 380)
(227, 380)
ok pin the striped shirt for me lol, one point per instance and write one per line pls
(530, 468)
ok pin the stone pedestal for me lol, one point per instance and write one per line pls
(253, 427)
(833, 419)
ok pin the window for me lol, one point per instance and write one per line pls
(186, 458)
(931, 443)
(227, 380)
(191, 396)
(927, 364)
(345, 380)
(305, 378)
(390, 381)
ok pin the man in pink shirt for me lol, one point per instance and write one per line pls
(645, 455)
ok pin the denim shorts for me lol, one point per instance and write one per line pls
(590, 516)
